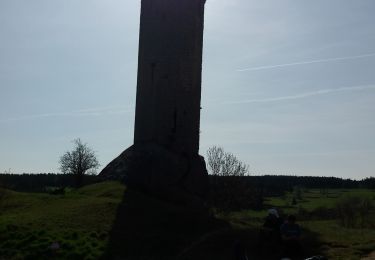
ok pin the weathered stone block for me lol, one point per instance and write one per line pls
(154, 169)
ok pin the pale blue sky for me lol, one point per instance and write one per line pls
(288, 86)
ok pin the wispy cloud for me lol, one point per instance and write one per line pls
(307, 62)
(100, 111)
(301, 95)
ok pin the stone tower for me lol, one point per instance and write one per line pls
(169, 74)
(166, 134)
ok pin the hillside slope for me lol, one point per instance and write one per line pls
(98, 221)
(79, 221)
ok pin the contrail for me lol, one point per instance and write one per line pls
(307, 62)
(302, 95)
(77, 113)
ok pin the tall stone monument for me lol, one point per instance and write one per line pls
(164, 157)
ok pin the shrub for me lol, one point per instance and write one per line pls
(354, 210)
(2, 195)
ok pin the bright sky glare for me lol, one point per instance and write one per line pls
(288, 86)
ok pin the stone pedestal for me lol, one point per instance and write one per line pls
(153, 169)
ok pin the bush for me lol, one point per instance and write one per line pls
(55, 190)
(319, 213)
(2, 196)
(354, 210)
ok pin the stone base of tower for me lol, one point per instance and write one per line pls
(157, 171)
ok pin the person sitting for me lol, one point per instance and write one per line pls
(273, 220)
(269, 236)
(290, 234)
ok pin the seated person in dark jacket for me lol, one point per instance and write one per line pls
(271, 228)
(273, 221)
(290, 234)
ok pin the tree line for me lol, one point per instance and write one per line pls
(233, 188)
(27, 182)
(272, 185)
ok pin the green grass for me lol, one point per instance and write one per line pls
(103, 220)
(333, 240)
(342, 243)
(83, 222)
(79, 221)
(314, 199)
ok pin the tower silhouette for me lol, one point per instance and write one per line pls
(169, 74)
(167, 119)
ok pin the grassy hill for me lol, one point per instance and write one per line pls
(103, 220)
(79, 221)
(108, 221)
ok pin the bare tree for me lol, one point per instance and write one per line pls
(78, 161)
(225, 164)
(228, 191)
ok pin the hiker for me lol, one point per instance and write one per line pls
(273, 220)
(269, 235)
(290, 234)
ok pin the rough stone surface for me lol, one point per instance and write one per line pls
(164, 158)
(169, 74)
(156, 170)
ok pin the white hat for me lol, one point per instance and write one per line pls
(273, 212)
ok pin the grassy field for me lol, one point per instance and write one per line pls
(82, 223)
(79, 221)
(314, 211)
(99, 221)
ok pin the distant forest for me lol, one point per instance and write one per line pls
(279, 183)
(41, 182)
(271, 185)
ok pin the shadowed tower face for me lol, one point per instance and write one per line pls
(164, 159)
(169, 74)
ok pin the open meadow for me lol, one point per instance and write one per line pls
(323, 229)
(80, 221)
